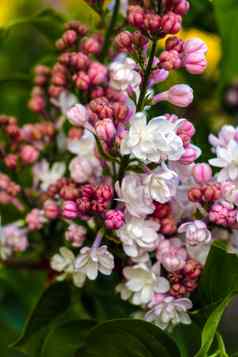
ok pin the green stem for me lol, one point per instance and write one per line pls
(146, 76)
(110, 30)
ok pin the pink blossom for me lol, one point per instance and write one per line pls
(76, 235)
(196, 232)
(35, 219)
(29, 154)
(223, 213)
(97, 73)
(171, 254)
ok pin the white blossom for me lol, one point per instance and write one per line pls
(170, 312)
(85, 146)
(227, 160)
(90, 261)
(161, 184)
(144, 281)
(47, 176)
(64, 263)
(123, 75)
(66, 101)
(138, 234)
(154, 141)
(196, 232)
(133, 193)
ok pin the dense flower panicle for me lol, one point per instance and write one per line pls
(117, 183)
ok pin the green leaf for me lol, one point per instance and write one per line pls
(48, 22)
(210, 328)
(66, 338)
(128, 338)
(220, 276)
(53, 303)
(226, 11)
(187, 338)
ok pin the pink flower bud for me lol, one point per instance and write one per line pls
(180, 95)
(114, 219)
(51, 209)
(80, 61)
(124, 41)
(171, 23)
(29, 154)
(35, 219)
(37, 104)
(181, 7)
(70, 37)
(97, 73)
(70, 210)
(136, 16)
(91, 46)
(170, 60)
(152, 22)
(174, 43)
(194, 56)
(191, 153)
(77, 115)
(105, 130)
(158, 76)
(11, 161)
(104, 192)
(82, 81)
(202, 173)
(186, 131)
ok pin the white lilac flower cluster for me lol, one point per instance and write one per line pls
(108, 178)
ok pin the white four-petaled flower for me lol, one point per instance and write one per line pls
(154, 141)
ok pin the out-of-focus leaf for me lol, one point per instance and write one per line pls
(66, 339)
(226, 12)
(53, 303)
(48, 22)
(128, 338)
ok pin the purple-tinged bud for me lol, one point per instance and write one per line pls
(51, 209)
(152, 22)
(136, 16)
(191, 153)
(171, 23)
(124, 41)
(202, 173)
(180, 95)
(186, 131)
(114, 219)
(97, 73)
(194, 59)
(70, 210)
(29, 154)
(82, 81)
(106, 130)
(181, 7)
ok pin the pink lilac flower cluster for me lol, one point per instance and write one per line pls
(108, 178)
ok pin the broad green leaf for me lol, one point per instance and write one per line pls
(65, 339)
(48, 22)
(220, 276)
(128, 338)
(226, 11)
(53, 303)
(211, 326)
(187, 338)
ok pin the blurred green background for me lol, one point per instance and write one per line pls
(25, 42)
